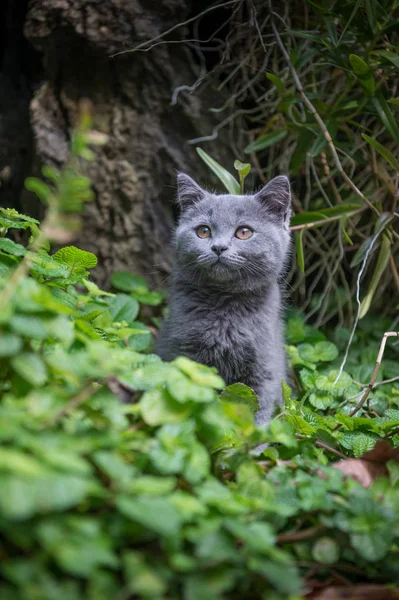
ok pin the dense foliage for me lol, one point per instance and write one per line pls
(312, 92)
(122, 476)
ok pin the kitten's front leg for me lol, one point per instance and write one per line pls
(270, 395)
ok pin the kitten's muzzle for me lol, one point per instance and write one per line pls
(218, 249)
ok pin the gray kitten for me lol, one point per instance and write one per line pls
(225, 301)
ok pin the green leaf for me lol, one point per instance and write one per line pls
(184, 390)
(123, 308)
(387, 154)
(265, 141)
(158, 408)
(28, 326)
(150, 376)
(321, 400)
(382, 263)
(277, 82)
(22, 497)
(297, 331)
(363, 72)
(230, 183)
(141, 339)
(241, 394)
(361, 444)
(386, 116)
(76, 259)
(154, 514)
(371, 14)
(324, 213)
(391, 56)
(148, 298)
(329, 383)
(19, 463)
(243, 170)
(7, 245)
(199, 373)
(142, 579)
(282, 432)
(38, 187)
(10, 344)
(373, 545)
(352, 15)
(322, 351)
(393, 470)
(326, 551)
(126, 282)
(304, 141)
(31, 368)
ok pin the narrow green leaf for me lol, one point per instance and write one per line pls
(277, 82)
(38, 187)
(371, 15)
(303, 143)
(333, 211)
(382, 262)
(363, 72)
(387, 154)
(265, 141)
(386, 116)
(353, 13)
(391, 56)
(230, 183)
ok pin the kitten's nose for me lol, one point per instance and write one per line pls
(219, 249)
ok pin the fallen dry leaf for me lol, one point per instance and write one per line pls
(357, 592)
(371, 465)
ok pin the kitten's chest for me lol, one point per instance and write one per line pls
(224, 327)
(227, 339)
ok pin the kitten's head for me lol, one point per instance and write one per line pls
(229, 241)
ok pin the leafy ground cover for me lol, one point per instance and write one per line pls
(125, 477)
(162, 496)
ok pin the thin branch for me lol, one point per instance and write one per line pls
(74, 403)
(161, 35)
(370, 386)
(332, 450)
(297, 536)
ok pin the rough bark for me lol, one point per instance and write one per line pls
(129, 224)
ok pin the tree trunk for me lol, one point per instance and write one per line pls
(129, 224)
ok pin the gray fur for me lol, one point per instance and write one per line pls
(225, 311)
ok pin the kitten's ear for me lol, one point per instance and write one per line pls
(276, 196)
(188, 192)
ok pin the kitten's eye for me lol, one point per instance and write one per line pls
(243, 233)
(203, 231)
